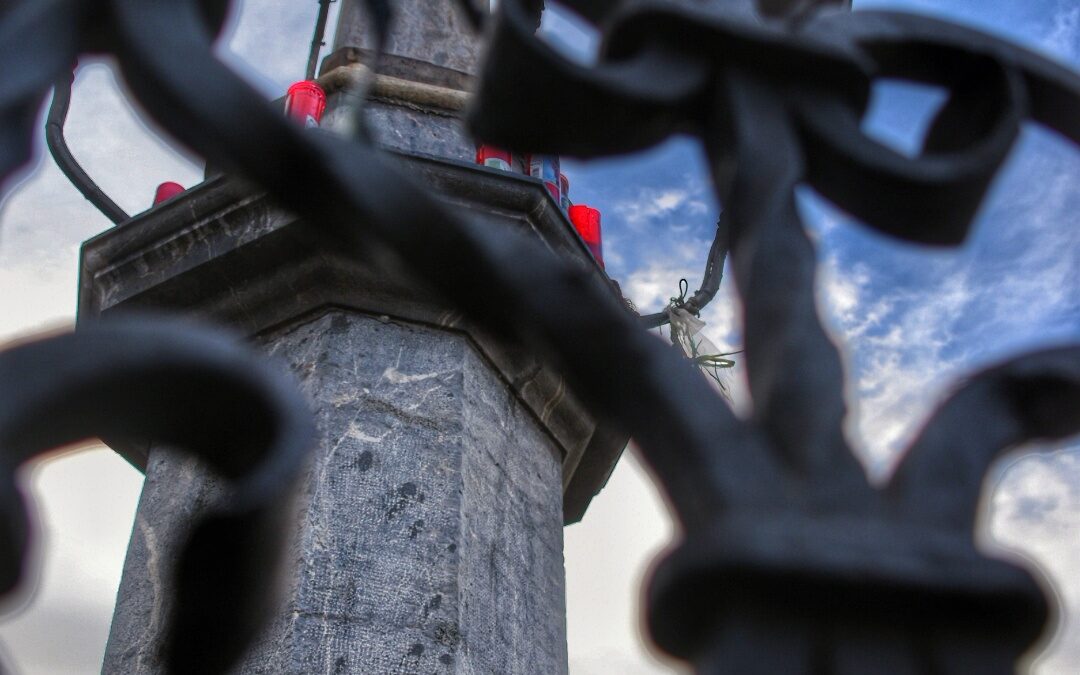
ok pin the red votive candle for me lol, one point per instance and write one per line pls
(166, 191)
(586, 221)
(305, 103)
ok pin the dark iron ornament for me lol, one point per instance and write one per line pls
(790, 562)
(155, 379)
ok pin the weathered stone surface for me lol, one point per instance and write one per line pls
(396, 126)
(425, 33)
(224, 253)
(176, 487)
(430, 535)
(430, 43)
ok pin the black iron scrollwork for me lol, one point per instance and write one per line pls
(789, 557)
(163, 381)
(803, 571)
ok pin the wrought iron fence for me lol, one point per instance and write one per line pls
(791, 561)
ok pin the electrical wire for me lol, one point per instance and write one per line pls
(61, 154)
(710, 282)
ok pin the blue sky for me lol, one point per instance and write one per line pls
(911, 320)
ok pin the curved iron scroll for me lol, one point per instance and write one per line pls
(791, 561)
(162, 381)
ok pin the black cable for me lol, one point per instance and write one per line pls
(317, 40)
(58, 148)
(710, 282)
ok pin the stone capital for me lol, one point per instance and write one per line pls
(226, 253)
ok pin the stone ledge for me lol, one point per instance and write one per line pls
(225, 253)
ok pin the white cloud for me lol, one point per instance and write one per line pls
(651, 207)
(36, 297)
(608, 662)
(608, 554)
(1036, 512)
(1064, 36)
(652, 287)
(902, 370)
(83, 503)
(271, 40)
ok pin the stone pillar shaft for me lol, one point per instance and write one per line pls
(429, 535)
(430, 44)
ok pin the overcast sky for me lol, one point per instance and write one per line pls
(911, 322)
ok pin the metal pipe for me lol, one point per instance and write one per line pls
(317, 40)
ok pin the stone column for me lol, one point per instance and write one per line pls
(429, 535)
(431, 44)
